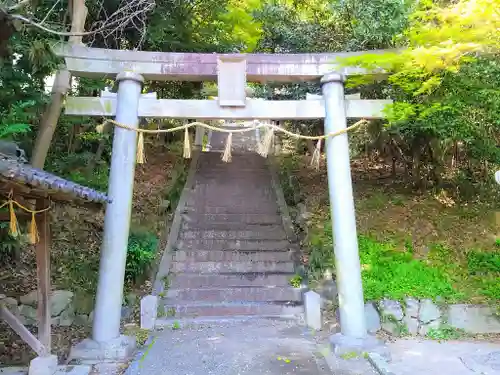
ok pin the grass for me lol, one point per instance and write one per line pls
(410, 244)
(296, 281)
(446, 333)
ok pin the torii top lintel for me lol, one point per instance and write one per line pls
(171, 66)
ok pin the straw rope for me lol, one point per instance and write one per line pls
(262, 148)
(277, 128)
(14, 227)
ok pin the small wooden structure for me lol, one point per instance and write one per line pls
(36, 189)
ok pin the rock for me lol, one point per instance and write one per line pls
(59, 301)
(164, 205)
(392, 308)
(83, 303)
(304, 214)
(424, 329)
(392, 327)
(30, 299)
(28, 315)
(372, 318)
(411, 324)
(9, 302)
(126, 312)
(131, 299)
(43, 365)
(428, 311)
(67, 317)
(328, 290)
(473, 319)
(412, 307)
(81, 320)
(54, 322)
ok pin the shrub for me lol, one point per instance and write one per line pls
(140, 253)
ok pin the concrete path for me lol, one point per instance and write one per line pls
(415, 357)
(253, 347)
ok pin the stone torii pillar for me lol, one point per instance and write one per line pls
(353, 335)
(107, 344)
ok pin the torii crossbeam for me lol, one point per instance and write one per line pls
(88, 62)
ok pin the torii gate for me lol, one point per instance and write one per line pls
(231, 71)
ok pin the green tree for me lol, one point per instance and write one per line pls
(444, 80)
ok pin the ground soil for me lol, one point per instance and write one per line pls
(387, 209)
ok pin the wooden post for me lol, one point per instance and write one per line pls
(23, 332)
(42, 248)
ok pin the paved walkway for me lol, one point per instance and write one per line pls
(422, 357)
(253, 347)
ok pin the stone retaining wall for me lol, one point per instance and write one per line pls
(66, 309)
(419, 317)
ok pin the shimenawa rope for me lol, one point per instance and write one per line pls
(263, 148)
(14, 227)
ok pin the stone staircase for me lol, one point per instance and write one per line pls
(232, 257)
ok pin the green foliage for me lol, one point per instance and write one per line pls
(289, 183)
(74, 167)
(444, 82)
(392, 272)
(16, 119)
(140, 253)
(484, 271)
(9, 246)
(296, 281)
(388, 272)
(22, 76)
(321, 258)
(445, 332)
(480, 262)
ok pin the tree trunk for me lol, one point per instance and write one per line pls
(97, 156)
(61, 86)
(48, 122)
(416, 165)
(310, 146)
(438, 160)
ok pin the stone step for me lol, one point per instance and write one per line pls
(252, 279)
(253, 234)
(247, 159)
(231, 245)
(236, 177)
(181, 309)
(232, 267)
(241, 203)
(231, 209)
(245, 185)
(232, 172)
(229, 226)
(237, 164)
(232, 218)
(236, 193)
(253, 294)
(233, 178)
(232, 256)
